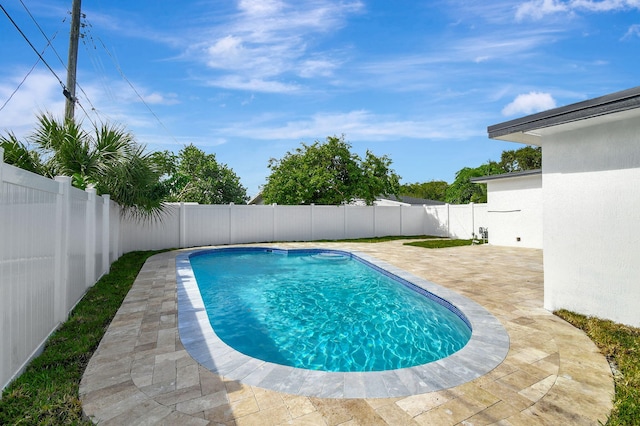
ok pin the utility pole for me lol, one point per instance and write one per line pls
(72, 63)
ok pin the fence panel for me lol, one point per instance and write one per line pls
(206, 225)
(387, 220)
(292, 223)
(359, 222)
(412, 220)
(252, 224)
(27, 259)
(155, 234)
(77, 247)
(437, 220)
(480, 217)
(328, 222)
(115, 246)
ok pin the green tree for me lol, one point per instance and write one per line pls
(19, 154)
(463, 191)
(433, 190)
(526, 158)
(107, 158)
(194, 176)
(328, 173)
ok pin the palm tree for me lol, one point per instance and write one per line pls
(18, 154)
(108, 158)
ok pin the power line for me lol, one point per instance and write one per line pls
(50, 43)
(96, 60)
(20, 85)
(65, 91)
(124, 77)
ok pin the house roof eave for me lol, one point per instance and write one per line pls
(524, 173)
(524, 129)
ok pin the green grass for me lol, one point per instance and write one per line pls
(621, 345)
(47, 392)
(443, 243)
(380, 239)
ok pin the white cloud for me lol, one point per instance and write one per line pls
(358, 125)
(239, 82)
(267, 39)
(260, 7)
(538, 9)
(40, 93)
(317, 67)
(529, 103)
(605, 5)
(633, 31)
(156, 98)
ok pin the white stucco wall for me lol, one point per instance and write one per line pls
(591, 181)
(515, 211)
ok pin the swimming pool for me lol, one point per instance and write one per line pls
(486, 348)
(324, 310)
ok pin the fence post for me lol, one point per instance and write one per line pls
(90, 238)
(344, 222)
(106, 219)
(374, 220)
(311, 207)
(473, 218)
(116, 234)
(448, 222)
(1, 167)
(182, 225)
(231, 215)
(62, 245)
(273, 221)
(1, 164)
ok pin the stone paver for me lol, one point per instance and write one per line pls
(552, 374)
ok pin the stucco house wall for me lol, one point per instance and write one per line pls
(591, 214)
(591, 203)
(514, 209)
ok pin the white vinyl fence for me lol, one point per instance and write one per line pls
(56, 241)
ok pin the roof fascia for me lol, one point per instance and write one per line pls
(608, 104)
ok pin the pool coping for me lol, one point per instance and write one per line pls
(486, 349)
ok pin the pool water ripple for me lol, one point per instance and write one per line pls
(312, 311)
(486, 348)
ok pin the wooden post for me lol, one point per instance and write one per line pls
(72, 63)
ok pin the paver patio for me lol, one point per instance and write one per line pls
(552, 375)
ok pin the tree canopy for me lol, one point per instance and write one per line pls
(433, 190)
(517, 160)
(328, 173)
(194, 176)
(107, 158)
(463, 191)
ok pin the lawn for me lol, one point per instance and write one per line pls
(442, 243)
(621, 345)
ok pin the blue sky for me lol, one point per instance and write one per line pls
(249, 80)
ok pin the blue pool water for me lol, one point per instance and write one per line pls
(322, 310)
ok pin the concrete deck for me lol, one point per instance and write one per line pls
(553, 374)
